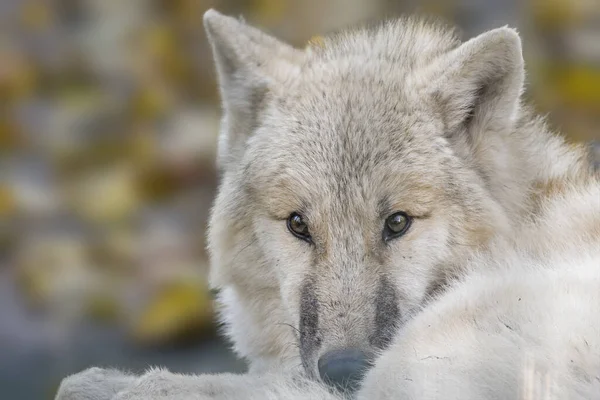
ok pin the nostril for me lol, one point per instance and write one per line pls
(343, 368)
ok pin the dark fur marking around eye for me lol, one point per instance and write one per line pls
(387, 314)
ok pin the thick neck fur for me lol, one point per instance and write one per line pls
(528, 165)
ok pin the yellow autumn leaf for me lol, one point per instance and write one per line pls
(149, 103)
(581, 85)
(36, 14)
(103, 308)
(107, 195)
(7, 201)
(177, 307)
(554, 13)
(269, 11)
(316, 41)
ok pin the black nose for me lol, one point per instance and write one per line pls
(343, 368)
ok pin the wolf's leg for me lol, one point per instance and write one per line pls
(460, 363)
(163, 385)
(94, 384)
(158, 384)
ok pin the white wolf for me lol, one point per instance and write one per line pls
(391, 223)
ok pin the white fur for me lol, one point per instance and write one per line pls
(403, 116)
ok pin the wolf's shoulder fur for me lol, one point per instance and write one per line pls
(386, 196)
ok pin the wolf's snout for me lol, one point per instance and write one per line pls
(344, 368)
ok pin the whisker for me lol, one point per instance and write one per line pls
(296, 330)
(253, 241)
(290, 344)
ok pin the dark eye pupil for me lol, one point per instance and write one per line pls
(397, 222)
(396, 225)
(298, 227)
(298, 224)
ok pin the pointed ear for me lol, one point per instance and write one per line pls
(249, 63)
(478, 85)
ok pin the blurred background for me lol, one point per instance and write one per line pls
(108, 122)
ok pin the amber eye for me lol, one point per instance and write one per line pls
(396, 225)
(298, 227)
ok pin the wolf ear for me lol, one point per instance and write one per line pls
(478, 85)
(248, 63)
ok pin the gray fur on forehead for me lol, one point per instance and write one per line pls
(337, 134)
(360, 128)
(406, 40)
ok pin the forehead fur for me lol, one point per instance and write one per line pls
(350, 140)
(407, 41)
(348, 118)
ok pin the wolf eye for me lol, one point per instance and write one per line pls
(396, 225)
(298, 227)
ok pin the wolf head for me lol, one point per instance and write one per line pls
(357, 174)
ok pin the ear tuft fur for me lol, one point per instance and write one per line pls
(248, 62)
(479, 83)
